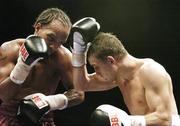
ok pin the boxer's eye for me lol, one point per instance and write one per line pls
(51, 39)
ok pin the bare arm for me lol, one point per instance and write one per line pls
(66, 72)
(65, 67)
(90, 82)
(159, 97)
(82, 32)
(9, 53)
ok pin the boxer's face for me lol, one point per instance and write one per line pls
(104, 69)
(55, 34)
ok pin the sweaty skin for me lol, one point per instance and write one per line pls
(46, 74)
(145, 85)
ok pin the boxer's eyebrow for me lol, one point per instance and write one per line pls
(55, 39)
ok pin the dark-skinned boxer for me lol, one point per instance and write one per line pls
(32, 68)
(35, 106)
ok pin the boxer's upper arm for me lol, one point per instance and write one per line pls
(8, 57)
(158, 92)
(96, 83)
(65, 68)
(90, 82)
(10, 51)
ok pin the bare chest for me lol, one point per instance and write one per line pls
(134, 96)
(43, 77)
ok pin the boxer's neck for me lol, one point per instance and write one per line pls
(128, 67)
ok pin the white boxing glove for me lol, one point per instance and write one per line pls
(83, 32)
(118, 117)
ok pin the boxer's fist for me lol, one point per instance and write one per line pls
(83, 32)
(30, 52)
(100, 118)
(33, 50)
(32, 108)
(109, 115)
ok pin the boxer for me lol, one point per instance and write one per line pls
(145, 84)
(108, 115)
(35, 106)
(35, 66)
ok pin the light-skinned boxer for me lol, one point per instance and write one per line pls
(145, 84)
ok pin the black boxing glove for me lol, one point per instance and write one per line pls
(83, 32)
(33, 107)
(33, 50)
(87, 27)
(29, 112)
(99, 118)
(109, 115)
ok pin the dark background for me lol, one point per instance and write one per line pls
(147, 28)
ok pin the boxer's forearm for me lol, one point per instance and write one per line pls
(158, 119)
(8, 89)
(74, 97)
(83, 32)
(80, 78)
(110, 115)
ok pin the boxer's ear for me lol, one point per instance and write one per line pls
(110, 60)
(37, 27)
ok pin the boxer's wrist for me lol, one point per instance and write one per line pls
(137, 120)
(57, 102)
(20, 72)
(78, 60)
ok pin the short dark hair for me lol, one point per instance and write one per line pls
(50, 14)
(106, 44)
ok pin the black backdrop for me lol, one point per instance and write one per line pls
(148, 28)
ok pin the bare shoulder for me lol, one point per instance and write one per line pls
(153, 72)
(152, 65)
(9, 50)
(64, 57)
(12, 45)
(8, 57)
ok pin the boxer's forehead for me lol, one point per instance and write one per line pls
(57, 30)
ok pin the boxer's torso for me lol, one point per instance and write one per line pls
(134, 93)
(134, 98)
(44, 76)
